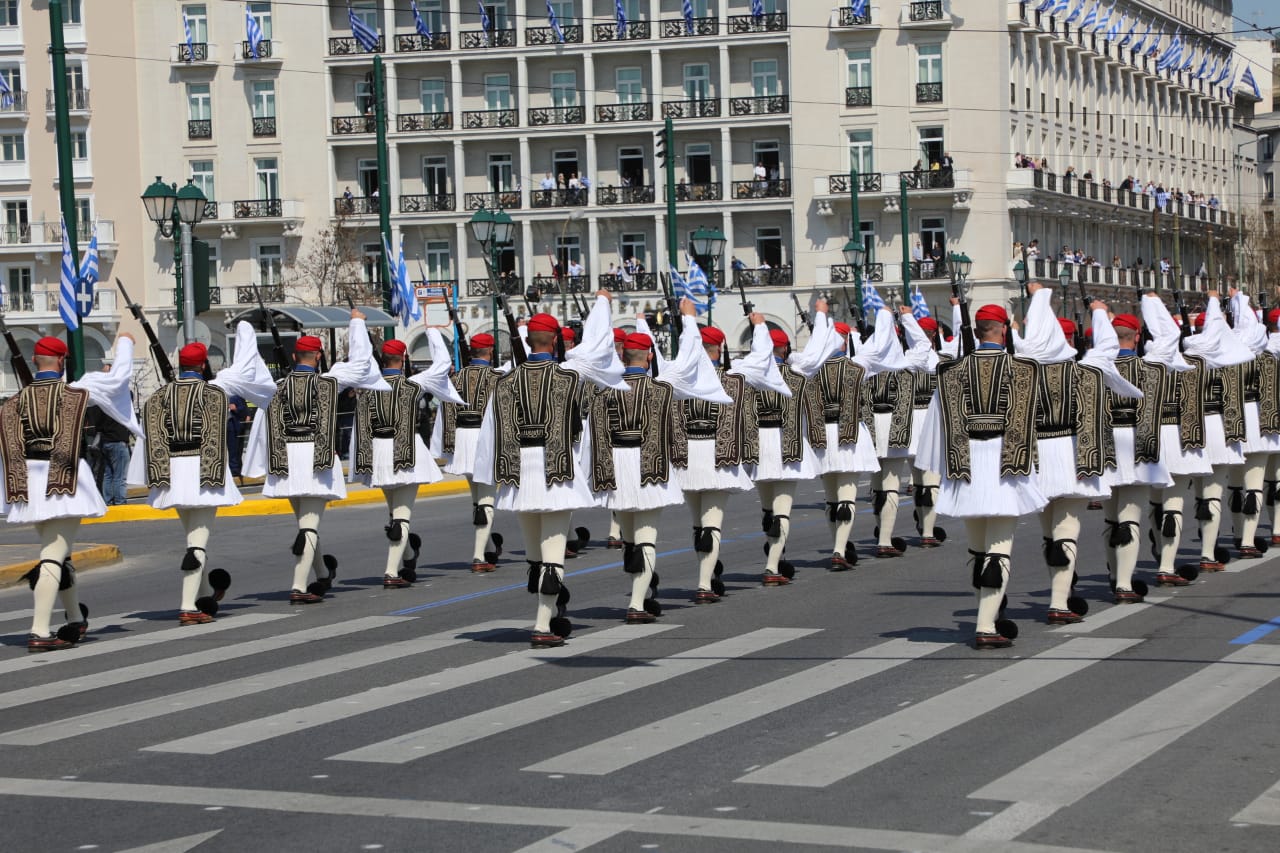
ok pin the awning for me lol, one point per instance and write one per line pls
(297, 318)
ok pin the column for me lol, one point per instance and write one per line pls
(730, 249)
(455, 31)
(455, 96)
(659, 264)
(593, 166)
(526, 251)
(655, 71)
(726, 163)
(724, 88)
(459, 176)
(588, 83)
(524, 171)
(461, 240)
(392, 90)
(594, 266)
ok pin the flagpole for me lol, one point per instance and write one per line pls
(384, 185)
(66, 179)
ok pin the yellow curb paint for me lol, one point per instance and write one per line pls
(271, 506)
(84, 557)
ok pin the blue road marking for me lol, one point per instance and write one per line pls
(1257, 633)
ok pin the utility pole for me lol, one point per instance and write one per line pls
(666, 151)
(1177, 249)
(66, 174)
(855, 234)
(384, 187)
(906, 241)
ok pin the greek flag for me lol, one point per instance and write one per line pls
(1204, 65)
(88, 275)
(1247, 79)
(1155, 45)
(252, 33)
(919, 308)
(485, 23)
(1191, 60)
(757, 9)
(621, 14)
(67, 290)
(1071, 19)
(6, 94)
(366, 35)
(1117, 25)
(687, 8)
(191, 42)
(871, 301)
(555, 22)
(1133, 29)
(1228, 71)
(1091, 17)
(1044, 5)
(1172, 54)
(694, 287)
(859, 7)
(404, 304)
(419, 24)
(1060, 7)
(1142, 38)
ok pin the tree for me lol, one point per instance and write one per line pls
(324, 266)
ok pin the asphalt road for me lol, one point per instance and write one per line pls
(842, 712)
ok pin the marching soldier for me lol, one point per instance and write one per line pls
(892, 393)
(294, 445)
(1262, 429)
(979, 435)
(614, 542)
(924, 351)
(184, 461)
(531, 449)
(47, 482)
(1271, 489)
(455, 438)
(387, 452)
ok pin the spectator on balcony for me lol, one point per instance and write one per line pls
(1214, 204)
(586, 189)
(917, 169)
(736, 264)
(948, 162)
(547, 183)
(1017, 160)
(939, 252)
(576, 270)
(1044, 164)
(560, 182)
(917, 252)
(1070, 172)
(348, 201)
(1162, 197)
(1127, 183)
(1017, 250)
(1115, 261)
(1087, 176)
(764, 265)
(761, 175)
(575, 188)
(1149, 190)
(1165, 266)
(1033, 249)
(682, 190)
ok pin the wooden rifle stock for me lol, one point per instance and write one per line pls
(163, 365)
(21, 370)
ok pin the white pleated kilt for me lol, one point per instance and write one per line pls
(633, 496)
(534, 495)
(771, 467)
(917, 426)
(702, 475)
(85, 503)
(185, 491)
(1181, 462)
(303, 481)
(837, 458)
(1256, 441)
(384, 474)
(883, 422)
(1216, 449)
(1056, 471)
(987, 494)
(463, 459)
(1129, 472)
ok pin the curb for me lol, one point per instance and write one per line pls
(84, 557)
(270, 506)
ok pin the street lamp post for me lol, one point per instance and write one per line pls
(707, 243)
(492, 230)
(853, 254)
(960, 265)
(175, 211)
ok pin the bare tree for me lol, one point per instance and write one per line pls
(326, 265)
(1258, 246)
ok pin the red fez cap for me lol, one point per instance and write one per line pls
(1068, 327)
(51, 346)
(928, 324)
(308, 343)
(843, 330)
(779, 338)
(1198, 322)
(543, 323)
(637, 340)
(567, 333)
(1126, 321)
(482, 340)
(1088, 333)
(394, 347)
(1273, 316)
(992, 312)
(193, 355)
(619, 335)
(711, 335)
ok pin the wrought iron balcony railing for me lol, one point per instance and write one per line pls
(77, 99)
(511, 285)
(762, 189)
(843, 273)
(194, 52)
(674, 28)
(210, 210)
(546, 35)
(624, 112)
(199, 128)
(925, 10)
(264, 50)
(634, 31)
(264, 126)
(770, 22)
(258, 208)
(933, 179)
(356, 206)
(558, 198)
(849, 19)
(868, 182)
(757, 106)
(508, 200)
(476, 119)
(350, 45)
(473, 39)
(545, 116)
(779, 277)
(414, 42)
(926, 269)
(343, 125)
(624, 195)
(857, 96)
(430, 203)
(698, 192)
(410, 122)
(702, 108)
(269, 292)
(928, 93)
(630, 283)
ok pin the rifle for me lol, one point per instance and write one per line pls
(747, 305)
(804, 315)
(21, 370)
(855, 312)
(277, 346)
(518, 354)
(163, 365)
(1080, 342)
(1184, 314)
(966, 322)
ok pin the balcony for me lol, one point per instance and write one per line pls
(758, 106)
(50, 234)
(540, 36)
(780, 277)
(264, 127)
(210, 210)
(350, 45)
(359, 292)
(772, 22)
(547, 116)
(510, 284)
(431, 203)
(849, 19)
(928, 93)
(549, 285)
(266, 50)
(857, 96)
(199, 128)
(702, 108)
(215, 295)
(20, 234)
(624, 112)
(479, 39)
(269, 293)
(868, 182)
(743, 190)
(507, 200)
(345, 125)
(926, 270)
(925, 10)
(356, 206)
(1091, 191)
(634, 31)
(259, 208)
(933, 179)
(843, 273)
(624, 195)
(16, 106)
(698, 192)
(77, 100)
(539, 199)
(479, 119)
(674, 28)
(194, 52)
(639, 282)
(411, 122)
(416, 42)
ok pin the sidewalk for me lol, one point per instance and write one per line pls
(17, 560)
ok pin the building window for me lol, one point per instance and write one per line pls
(933, 237)
(75, 80)
(434, 97)
(17, 222)
(631, 165)
(1269, 186)
(697, 163)
(497, 12)
(270, 258)
(8, 13)
(564, 88)
(13, 78)
(931, 145)
(267, 177)
(367, 176)
(867, 230)
(371, 263)
(928, 73)
(564, 164)
(859, 64)
(199, 104)
(439, 260)
(14, 147)
(764, 77)
(697, 81)
(18, 281)
(566, 14)
(500, 173)
(71, 13)
(861, 152)
(769, 246)
(202, 177)
(432, 14)
(630, 85)
(264, 99)
(633, 246)
(84, 214)
(79, 145)
(261, 12)
(213, 263)
(368, 14)
(198, 20)
(768, 154)
(497, 91)
(435, 174)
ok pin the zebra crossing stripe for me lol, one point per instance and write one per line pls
(615, 753)
(1059, 778)
(353, 705)
(840, 757)
(173, 703)
(1264, 810)
(573, 838)
(540, 708)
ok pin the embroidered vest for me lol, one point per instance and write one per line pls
(474, 384)
(642, 417)
(538, 404)
(304, 409)
(186, 418)
(988, 394)
(387, 414)
(734, 426)
(45, 420)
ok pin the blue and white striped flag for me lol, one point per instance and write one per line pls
(1075, 15)
(1172, 55)
(554, 22)
(404, 304)
(757, 9)
(419, 23)
(67, 289)
(1154, 48)
(6, 94)
(919, 308)
(871, 301)
(621, 15)
(695, 287)
(1228, 72)
(88, 275)
(687, 8)
(859, 8)
(191, 42)
(1060, 7)
(1142, 37)
(485, 23)
(1044, 5)
(366, 35)
(1091, 17)
(1247, 79)
(252, 33)
(1133, 30)
(1117, 25)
